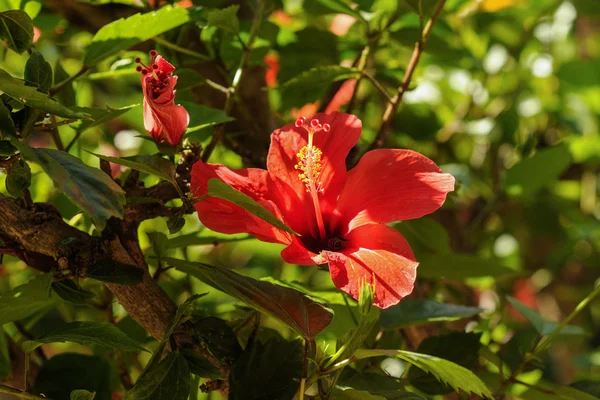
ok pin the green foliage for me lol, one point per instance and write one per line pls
(89, 188)
(202, 117)
(411, 312)
(306, 316)
(124, 33)
(114, 272)
(271, 370)
(225, 19)
(16, 30)
(169, 379)
(23, 301)
(38, 71)
(87, 333)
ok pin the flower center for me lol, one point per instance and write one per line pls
(335, 244)
(309, 165)
(159, 79)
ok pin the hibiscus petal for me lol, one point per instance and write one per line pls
(379, 255)
(165, 123)
(297, 253)
(335, 145)
(164, 65)
(222, 215)
(391, 185)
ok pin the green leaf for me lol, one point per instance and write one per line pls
(63, 373)
(192, 239)
(7, 149)
(87, 333)
(7, 125)
(125, 33)
(18, 179)
(218, 337)
(16, 29)
(114, 272)
(154, 165)
(66, 96)
(30, 96)
(156, 355)
(5, 362)
(333, 6)
(416, 312)
(445, 371)
(543, 326)
(295, 309)
(175, 224)
(352, 394)
(534, 173)
(169, 380)
(69, 291)
(267, 371)
(436, 45)
(591, 387)
(90, 188)
(310, 85)
(100, 116)
(225, 18)
(38, 71)
(460, 267)
(431, 234)
(187, 79)
(159, 243)
(81, 394)
(218, 188)
(203, 117)
(459, 347)
(27, 299)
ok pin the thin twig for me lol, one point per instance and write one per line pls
(378, 86)
(58, 87)
(237, 78)
(392, 107)
(56, 136)
(180, 49)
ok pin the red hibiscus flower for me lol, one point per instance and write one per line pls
(165, 121)
(340, 216)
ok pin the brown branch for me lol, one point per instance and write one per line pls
(392, 107)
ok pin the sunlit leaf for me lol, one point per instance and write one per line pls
(415, 312)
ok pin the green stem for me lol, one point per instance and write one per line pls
(180, 49)
(58, 87)
(18, 393)
(583, 304)
(237, 78)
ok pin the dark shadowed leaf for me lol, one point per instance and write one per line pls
(81, 394)
(288, 305)
(267, 371)
(7, 125)
(170, 379)
(354, 394)
(591, 387)
(460, 266)
(27, 299)
(188, 78)
(458, 347)
(5, 366)
(6, 148)
(225, 18)
(124, 33)
(38, 71)
(218, 337)
(203, 117)
(18, 178)
(332, 7)
(114, 272)
(430, 233)
(532, 174)
(63, 373)
(87, 333)
(66, 96)
(99, 115)
(90, 188)
(310, 85)
(70, 291)
(16, 29)
(175, 224)
(522, 342)
(153, 165)
(415, 312)
(218, 188)
(192, 239)
(543, 326)
(30, 96)
(445, 371)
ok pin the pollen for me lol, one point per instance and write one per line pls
(309, 157)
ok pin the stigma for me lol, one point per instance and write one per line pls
(309, 157)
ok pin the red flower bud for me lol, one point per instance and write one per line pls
(164, 120)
